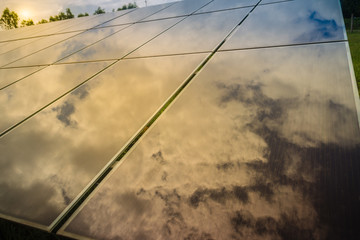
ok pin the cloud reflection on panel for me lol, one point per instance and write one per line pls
(25, 50)
(219, 5)
(123, 42)
(27, 96)
(9, 76)
(295, 22)
(49, 159)
(261, 152)
(66, 48)
(80, 42)
(202, 32)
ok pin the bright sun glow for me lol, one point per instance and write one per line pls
(25, 14)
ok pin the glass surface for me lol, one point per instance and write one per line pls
(263, 144)
(9, 46)
(137, 15)
(48, 160)
(22, 99)
(34, 31)
(68, 47)
(303, 21)
(181, 8)
(18, 53)
(274, 1)
(8, 76)
(64, 26)
(96, 21)
(217, 5)
(195, 34)
(122, 43)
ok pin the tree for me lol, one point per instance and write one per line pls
(129, 6)
(53, 18)
(350, 7)
(99, 10)
(83, 14)
(9, 19)
(69, 14)
(28, 22)
(42, 21)
(62, 16)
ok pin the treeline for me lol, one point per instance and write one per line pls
(10, 19)
(350, 7)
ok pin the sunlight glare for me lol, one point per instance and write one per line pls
(25, 14)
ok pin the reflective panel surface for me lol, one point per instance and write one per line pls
(304, 21)
(22, 99)
(137, 15)
(66, 48)
(122, 43)
(274, 1)
(95, 21)
(180, 8)
(8, 76)
(217, 5)
(63, 147)
(29, 49)
(196, 33)
(9, 46)
(249, 150)
(50, 28)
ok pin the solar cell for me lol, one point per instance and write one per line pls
(218, 5)
(122, 43)
(194, 34)
(181, 8)
(137, 15)
(29, 49)
(68, 47)
(9, 76)
(291, 22)
(26, 97)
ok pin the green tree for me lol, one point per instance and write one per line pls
(129, 6)
(9, 19)
(62, 16)
(83, 14)
(28, 22)
(350, 7)
(42, 21)
(54, 18)
(69, 14)
(99, 10)
(132, 5)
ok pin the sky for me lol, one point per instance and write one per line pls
(43, 9)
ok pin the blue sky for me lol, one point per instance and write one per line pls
(39, 9)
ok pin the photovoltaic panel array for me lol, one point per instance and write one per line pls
(209, 119)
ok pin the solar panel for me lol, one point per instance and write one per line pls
(219, 5)
(9, 76)
(241, 152)
(137, 15)
(31, 94)
(200, 119)
(194, 34)
(296, 22)
(124, 42)
(181, 8)
(67, 47)
(69, 142)
(35, 46)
